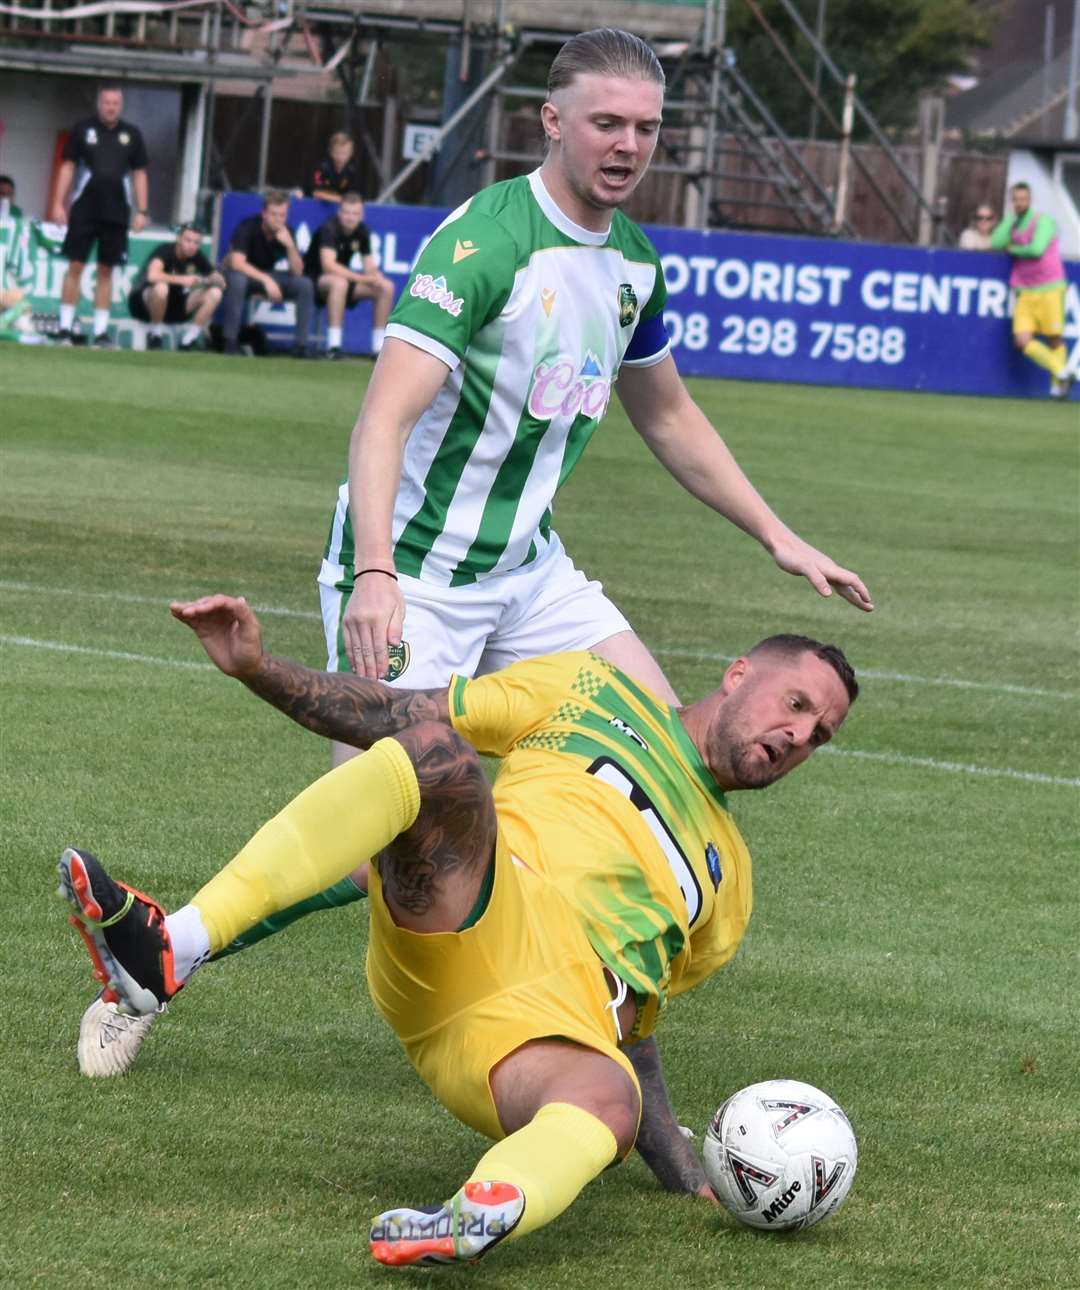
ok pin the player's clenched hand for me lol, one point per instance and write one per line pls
(371, 623)
(229, 631)
(793, 555)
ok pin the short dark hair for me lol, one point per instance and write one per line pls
(351, 199)
(606, 51)
(790, 645)
(189, 226)
(1016, 187)
(110, 87)
(7, 179)
(275, 197)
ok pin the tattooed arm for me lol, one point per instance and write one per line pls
(342, 706)
(338, 705)
(661, 1142)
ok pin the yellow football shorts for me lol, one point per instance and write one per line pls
(460, 1002)
(1041, 312)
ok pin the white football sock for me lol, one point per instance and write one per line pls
(189, 334)
(67, 317)
(157, 329)
(190, 941)
(101, 321)
(333, 338)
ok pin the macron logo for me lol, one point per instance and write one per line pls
(425, 287)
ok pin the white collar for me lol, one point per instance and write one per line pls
(558, 216)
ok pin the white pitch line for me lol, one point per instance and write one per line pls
(668, 651)
(123, 655)
(130, 599)
(957, 767)
(894, 759)
(954, 682)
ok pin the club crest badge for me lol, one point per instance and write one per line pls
(712, 863)
(125, 138)
(91, 135)
(627, 305)
(399, 656)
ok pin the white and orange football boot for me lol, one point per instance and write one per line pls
(463, 1230)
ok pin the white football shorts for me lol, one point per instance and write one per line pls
(545, 607)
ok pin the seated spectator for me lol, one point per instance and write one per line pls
(257, 249)
(7, 194)
(336, 174)
(329, 264)
(15, 269)
(976, 237)
(178, 284)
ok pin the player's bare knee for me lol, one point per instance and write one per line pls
(618, 1106)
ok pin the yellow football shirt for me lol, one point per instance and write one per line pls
(603, 792)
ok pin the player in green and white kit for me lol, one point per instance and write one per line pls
(528, 318)
(528, 306)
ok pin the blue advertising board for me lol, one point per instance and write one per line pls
(775, 308)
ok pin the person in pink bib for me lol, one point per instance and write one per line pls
(1038, 280)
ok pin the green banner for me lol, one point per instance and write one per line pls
(38, 267)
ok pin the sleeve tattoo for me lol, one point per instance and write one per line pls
(341, 706)
(660, 1141)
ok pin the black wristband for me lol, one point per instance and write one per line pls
(360, 573)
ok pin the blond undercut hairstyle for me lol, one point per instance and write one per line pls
(607, 51)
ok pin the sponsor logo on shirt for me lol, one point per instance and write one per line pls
(547, 299)
(462, 250)
(624, 727)
(425, 287)
(627, 305)
(563, 388)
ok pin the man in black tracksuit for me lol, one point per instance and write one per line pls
(104, 170)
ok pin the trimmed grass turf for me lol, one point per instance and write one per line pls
(913, 949)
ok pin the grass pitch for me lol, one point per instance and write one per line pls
(914, 944)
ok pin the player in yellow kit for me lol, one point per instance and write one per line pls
(523, 938)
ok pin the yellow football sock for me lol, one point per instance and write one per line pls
(342, 820)
(1054, 360)
(551, 1159)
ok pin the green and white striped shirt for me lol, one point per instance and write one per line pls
(534, 316)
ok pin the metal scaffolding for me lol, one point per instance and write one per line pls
(720, 137)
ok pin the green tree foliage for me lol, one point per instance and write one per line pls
(896, 48)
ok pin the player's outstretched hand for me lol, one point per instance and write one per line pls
(372, 623)
(793, 555)
(229, 631)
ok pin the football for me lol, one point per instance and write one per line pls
(780, 1155)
